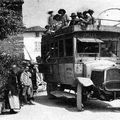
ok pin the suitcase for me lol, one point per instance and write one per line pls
(14, 102)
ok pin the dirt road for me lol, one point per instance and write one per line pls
(64, 109)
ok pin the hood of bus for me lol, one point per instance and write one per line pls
(94, 64)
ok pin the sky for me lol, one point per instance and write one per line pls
(35, 11)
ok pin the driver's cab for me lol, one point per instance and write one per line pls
(93, 47)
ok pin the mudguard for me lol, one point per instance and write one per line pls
(84, 81)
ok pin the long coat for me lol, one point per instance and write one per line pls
(12, 83)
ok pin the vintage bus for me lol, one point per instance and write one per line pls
(73, 59)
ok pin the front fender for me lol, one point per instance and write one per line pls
(84, 81)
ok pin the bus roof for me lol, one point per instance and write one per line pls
(77, 28)
(114, 31)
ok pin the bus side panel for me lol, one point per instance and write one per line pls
(62, 73)
(69, 74)
(48, 74)
(79, 70)
(56, 73)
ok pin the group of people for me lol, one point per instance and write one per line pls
(20, 85)
(82, 18)
(61, 20)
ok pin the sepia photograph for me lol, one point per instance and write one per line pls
(59, 59)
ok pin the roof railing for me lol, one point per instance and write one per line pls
(99, 21)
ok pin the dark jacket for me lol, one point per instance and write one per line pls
(12, 83)
(73, 22)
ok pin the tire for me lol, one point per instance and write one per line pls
(79, 97)
(51, 87)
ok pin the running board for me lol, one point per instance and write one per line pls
(62, 94)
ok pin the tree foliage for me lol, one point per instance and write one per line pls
(10, 19)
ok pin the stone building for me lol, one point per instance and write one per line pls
(13, 45)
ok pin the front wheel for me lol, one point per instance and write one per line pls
(79, 97)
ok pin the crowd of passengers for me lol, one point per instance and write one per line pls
(61, 20)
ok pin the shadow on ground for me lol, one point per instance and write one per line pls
(8, 113)
(100, 106)
(70, 104)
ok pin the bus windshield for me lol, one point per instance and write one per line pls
(88, 48)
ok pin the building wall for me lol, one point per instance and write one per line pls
(32, 45)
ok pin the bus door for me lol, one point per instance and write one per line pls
(66, 61)
(55, 64)
(54, 61)
(61, 61)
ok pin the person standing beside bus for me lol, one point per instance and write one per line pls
(13, 90)
(20, 85)
(32, 70)
(27, 85)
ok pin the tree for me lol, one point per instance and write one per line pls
(10, 24)
(10, 18)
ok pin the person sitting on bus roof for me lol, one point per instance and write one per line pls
(74, 20)
(81, 20)
(64, 17)
(80, 15)
(48, 30)
(50, 18)
(57, 22)
(88, 17)
(91, 18)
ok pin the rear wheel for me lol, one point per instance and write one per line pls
(51, 87)
(79, 97)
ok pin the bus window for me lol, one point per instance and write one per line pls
(109, 49)
(44, 51)
(47, 48)
(69, 47)
(86, 47)
(61, 48)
